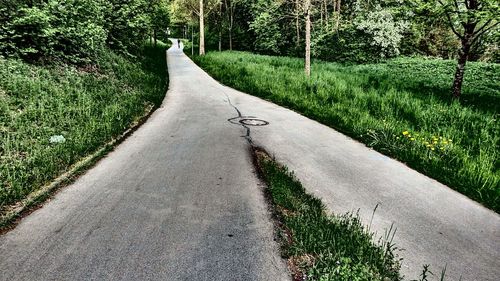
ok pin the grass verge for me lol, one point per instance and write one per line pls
(401, 108)
(319, 246)
(51, 117)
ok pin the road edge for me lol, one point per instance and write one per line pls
(36, 199)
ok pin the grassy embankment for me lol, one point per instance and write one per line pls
(53, 116)
(319, 246)
(401, 107)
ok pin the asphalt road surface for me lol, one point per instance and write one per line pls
(178, 199)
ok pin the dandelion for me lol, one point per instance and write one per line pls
(406, 133)
(57, 139)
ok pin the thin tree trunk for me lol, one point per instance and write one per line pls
(220, 40)
(202, 30)
(308, 39)
(297, 23)
(459, 73)
(337, 22)
(154, 37)
(231, 18)
(192, 41)
(326, 12)
(220, 27)
(321, 12)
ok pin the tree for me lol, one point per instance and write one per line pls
(266, 26)
(160, 17)
(307, 64)
(230, 6)
(201, 8)
(469, 20)
(72, 31)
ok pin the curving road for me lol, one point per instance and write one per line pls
(178, 200)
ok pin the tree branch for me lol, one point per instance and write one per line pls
(450, 22)
(479, 34)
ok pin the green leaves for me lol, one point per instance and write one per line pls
(76, 31)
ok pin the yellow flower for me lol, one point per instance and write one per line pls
(432, 148)
(405, 133)
(412, 139)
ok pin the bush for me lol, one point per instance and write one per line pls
(70, 31)
(76, 31)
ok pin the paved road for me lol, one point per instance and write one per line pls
(178, 200)
(163, 204)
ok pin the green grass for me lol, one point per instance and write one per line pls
(456, 143)
(321, 246)
(88, 107)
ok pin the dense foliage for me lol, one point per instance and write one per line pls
(400, 107)
(344, 30)
(77, 31)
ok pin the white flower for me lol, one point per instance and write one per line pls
(57, 139)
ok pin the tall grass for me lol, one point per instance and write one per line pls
(87, 107)
(401, 108)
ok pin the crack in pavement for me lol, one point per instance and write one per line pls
(240, 116)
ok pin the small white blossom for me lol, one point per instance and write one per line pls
(57, 139)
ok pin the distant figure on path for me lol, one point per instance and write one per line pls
(179, 43)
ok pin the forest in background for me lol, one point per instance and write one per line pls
(341, 30)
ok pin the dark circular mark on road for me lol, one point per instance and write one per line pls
(253, 122)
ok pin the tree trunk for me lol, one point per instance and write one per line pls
(459, 73)
(337, 22)
(154, 37)
(326, 12)
(308, 39)
(297, 23)
(231, 19)
(202, 30)
(220, 26)
(321, 12)
(220, 40)
(192, 41)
